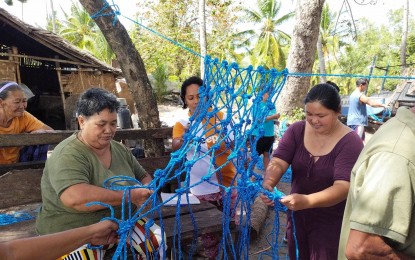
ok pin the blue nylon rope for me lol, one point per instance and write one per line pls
(15, 217)
(236, 93)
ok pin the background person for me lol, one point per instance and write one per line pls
(357, 114)
(79, 165)
(264, 143)
(55, 245)
(321, 151)
(206, 191)
(379, 218)
(15, 120)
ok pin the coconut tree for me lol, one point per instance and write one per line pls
(302, 53)
(133, 69)
(269, 40)
(327, 41)
(80, 29)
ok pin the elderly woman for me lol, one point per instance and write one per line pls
(14, 119)
(321, 151)
(75, 172)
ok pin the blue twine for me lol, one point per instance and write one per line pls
(385, 113)
(15, 217)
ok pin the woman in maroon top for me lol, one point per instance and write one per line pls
(321, 152)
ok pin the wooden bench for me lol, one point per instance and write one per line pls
(58, 136)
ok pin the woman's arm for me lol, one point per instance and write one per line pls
(58, 244)
(272, 117)
(177, 143)
(273, 174)
(325, 198)
(76, 196)
(46, 127)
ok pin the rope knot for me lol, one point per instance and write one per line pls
(124, 227)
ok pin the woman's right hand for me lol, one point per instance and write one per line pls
(140, 195)
(264, 198)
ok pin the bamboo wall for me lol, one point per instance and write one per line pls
(7, 70)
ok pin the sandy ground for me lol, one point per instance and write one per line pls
(168, 114)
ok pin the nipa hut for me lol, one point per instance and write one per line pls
(54, 69)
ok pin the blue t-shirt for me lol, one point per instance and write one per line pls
(357, 114)
(268, 125)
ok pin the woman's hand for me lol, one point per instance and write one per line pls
(295, 201)
(264, 198)
(140, 195)
(103, 233)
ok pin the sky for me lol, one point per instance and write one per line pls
(35, 11)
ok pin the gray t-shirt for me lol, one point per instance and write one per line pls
(72, 162)
(357, 114)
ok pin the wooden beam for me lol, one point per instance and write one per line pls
(49, 59)
(9, 140)
(5, 168)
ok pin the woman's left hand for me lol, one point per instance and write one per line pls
(295, 201)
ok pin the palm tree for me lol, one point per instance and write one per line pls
(327, 42)
(269, 40)
(81, 30)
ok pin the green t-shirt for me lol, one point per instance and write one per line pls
(381, 198)
(72, 162)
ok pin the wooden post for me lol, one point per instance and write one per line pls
(58, 73)
(81, 78)
(16, 60)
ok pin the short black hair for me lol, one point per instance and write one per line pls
(190, 81)
(94, 100)
(362, 81)
(326, 94)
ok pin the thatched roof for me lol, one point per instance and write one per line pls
(46, 45)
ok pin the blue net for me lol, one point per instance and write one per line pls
(228, 112)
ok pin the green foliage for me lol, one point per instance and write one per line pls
(160, 76)
(268, 42)
(296, 115)
(80, 29)
(173, 19)
(265, 42)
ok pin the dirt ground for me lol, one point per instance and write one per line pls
(260, 246)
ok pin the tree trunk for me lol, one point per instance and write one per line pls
(321, 60)
(133, 69)
(53, 17)
(404, 34)
(202, 28)
(301, 55)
